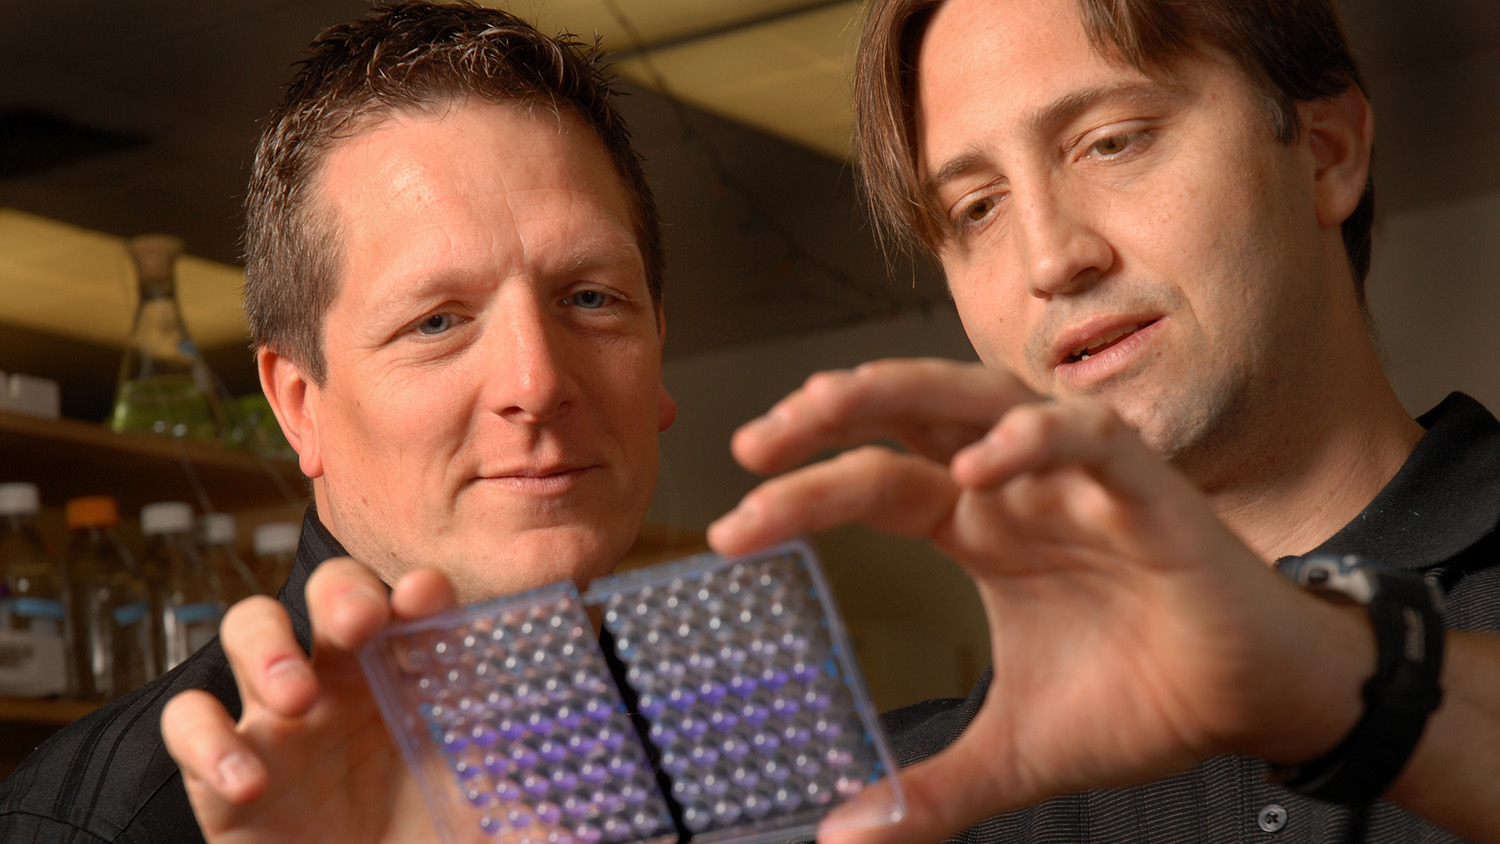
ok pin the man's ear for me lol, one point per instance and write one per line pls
(666, 406)
(1341, 132)
(293, 398)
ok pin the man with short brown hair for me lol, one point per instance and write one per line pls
(1154, 220)
(453, 282)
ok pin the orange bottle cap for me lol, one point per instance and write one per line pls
(92, 511)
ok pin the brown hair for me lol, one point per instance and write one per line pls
(410, 56)
(1292, 51)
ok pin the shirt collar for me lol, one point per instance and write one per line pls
(314, 546)
(1444, 499)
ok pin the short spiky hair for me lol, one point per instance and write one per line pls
(1291, 50)
(408, 57)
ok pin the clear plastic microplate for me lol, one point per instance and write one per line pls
(720, 703)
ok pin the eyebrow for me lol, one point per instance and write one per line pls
(591, 254)
(1046, 121)
(419, 289)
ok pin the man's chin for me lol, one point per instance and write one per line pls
(507, 565)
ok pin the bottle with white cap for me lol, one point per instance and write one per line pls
(112, 622)
(275, 550)
(219, 533)
(34, 654)
(187, 599)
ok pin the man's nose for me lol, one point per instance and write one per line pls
(527, 379)
(1062, 248)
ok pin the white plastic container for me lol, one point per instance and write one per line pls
(34, 654)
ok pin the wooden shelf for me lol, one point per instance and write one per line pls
(67, 458)
(54, 712)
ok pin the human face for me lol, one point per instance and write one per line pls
(494, 387)
(1144, 241)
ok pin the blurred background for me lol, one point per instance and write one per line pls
(118, 119)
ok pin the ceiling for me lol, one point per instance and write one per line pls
(123, 118)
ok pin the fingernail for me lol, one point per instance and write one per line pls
(860, 814)
(720, 529)
(745, 512)
(731, 525)
(363, 593)
(287, 670)
(235, 771)
(773, 418)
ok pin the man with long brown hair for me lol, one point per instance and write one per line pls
(1154, 218)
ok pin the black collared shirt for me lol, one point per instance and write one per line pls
(1438, 515)
(107, 777)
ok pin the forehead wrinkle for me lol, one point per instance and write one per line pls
(601, 253)
(1048, 120)
(967, 161)
(593, 236)
(419, 291)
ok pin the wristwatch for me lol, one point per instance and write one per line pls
(1406, 612)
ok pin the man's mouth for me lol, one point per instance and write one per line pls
(536, 474)
(1099, 344)
(536, 482)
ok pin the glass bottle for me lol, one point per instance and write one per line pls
(187, 599)
(164, 386)
(275, 550)
(33, 600)
(219, 534)
(112, 639)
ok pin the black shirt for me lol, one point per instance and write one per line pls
(1438, 515)
(107, 777)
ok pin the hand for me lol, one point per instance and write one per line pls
(1130, 629)
(310, 759)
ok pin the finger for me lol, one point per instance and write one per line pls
(1037, 437)
(422, 593)
(217, 765)
(347, 604)
(872, 815)
(269, 665)
(897, 493)
(943, 795)
(933, 407)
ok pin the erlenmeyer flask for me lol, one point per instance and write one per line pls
(164, 386)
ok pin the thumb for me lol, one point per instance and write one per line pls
(943, 795)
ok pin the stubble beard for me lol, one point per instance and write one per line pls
(1199, 431)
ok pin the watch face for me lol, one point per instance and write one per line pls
(1343, 579)
(1405, 613)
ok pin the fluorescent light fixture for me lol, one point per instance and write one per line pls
(72, 282)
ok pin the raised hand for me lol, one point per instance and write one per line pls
(310, 759)
(1130, 629)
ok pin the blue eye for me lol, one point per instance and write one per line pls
(589, 299)
(436, 324)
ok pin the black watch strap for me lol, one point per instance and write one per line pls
(1406, 612)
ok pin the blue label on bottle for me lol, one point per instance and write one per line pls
(130, 614)
(196, 613)
(37, 608)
